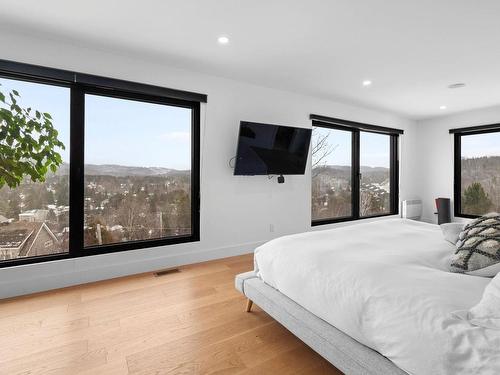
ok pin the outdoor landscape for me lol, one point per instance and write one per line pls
(121, 204)
(480, 185)
(331, 181)
(331, 191)
(135, 203)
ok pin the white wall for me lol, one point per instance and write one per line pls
(434, 145)
(236, 212)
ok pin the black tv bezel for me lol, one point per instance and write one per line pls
(270, 174)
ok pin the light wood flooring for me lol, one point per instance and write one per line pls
(189, 322)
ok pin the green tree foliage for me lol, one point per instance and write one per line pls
(183, 213)
(62, 192)
(475, 201)
(4, 207)
(37, 196)
(51, 217)
(13, 210)
(28, 141)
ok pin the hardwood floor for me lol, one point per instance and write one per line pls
(189, 322)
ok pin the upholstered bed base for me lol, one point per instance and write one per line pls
(345, 353)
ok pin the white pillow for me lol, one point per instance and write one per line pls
(487, 312)
(451, 231)
(489, 271)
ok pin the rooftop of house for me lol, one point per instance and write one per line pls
(18, 234)
(34, 212)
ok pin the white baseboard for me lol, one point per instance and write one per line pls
(39, 277)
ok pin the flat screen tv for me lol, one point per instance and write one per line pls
(265, 149)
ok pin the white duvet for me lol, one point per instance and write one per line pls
(387, 285)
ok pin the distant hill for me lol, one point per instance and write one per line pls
(365, 169)
(371, 174)
(123, 170)
(344, 169)
(485, 170)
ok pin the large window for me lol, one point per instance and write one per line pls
(354, 171)
(477, 171)
(92, 165)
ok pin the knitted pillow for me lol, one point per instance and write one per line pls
(478, 247)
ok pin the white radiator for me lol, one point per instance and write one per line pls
(412, 209)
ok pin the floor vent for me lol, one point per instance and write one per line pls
(166, 271)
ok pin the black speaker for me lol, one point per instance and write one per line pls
(443, 210)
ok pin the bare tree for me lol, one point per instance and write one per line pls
(321, 149)
(366, 202)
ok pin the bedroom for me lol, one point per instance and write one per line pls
(130, 201)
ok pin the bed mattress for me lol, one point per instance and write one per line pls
(387, 285)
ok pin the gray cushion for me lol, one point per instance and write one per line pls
(478, 247)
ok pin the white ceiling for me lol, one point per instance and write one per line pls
(410, 49)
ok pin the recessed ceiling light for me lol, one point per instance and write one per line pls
(223, 40)
(442, 107)
(456, 85)
(367, 82)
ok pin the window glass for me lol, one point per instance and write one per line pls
(480, 173)
(137, 171)
(34, 213)
(331, 173)
(375, 193)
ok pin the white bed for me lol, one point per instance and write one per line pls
(387, 285)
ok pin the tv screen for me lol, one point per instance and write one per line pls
(265, 149)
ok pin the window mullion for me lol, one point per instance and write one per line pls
(458, 174)
(195, 170)
(76, 179)
(355, 174)
(394, 175)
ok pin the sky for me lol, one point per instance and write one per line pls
(117, 131)
(134, 133)
(374, 148)
(478, 145)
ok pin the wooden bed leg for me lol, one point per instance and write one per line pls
(249, 305)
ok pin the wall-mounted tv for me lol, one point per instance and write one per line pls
(265, 149)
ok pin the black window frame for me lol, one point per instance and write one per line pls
(458, 133)
(80, 84)
(356, 128)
